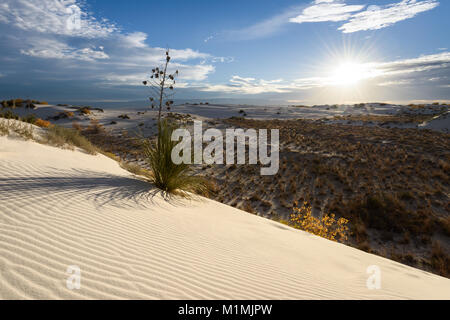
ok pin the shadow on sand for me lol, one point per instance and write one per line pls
(82, 185)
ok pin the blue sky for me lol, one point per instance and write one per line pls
(310, 52)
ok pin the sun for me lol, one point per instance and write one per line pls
(348, 74)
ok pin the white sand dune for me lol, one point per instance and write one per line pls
(142, 120)
(60, 208)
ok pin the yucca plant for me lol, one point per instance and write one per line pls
(160, 81)
(170, 177)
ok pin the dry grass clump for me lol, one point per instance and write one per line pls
(327, 226)
(22, 129)
(4, 128)
(65, 137)
(127, 147)
(134, 168)
(440, 260)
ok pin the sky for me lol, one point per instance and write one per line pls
(262, 51)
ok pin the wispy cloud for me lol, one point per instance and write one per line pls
(377, 17)
(264, 28)
(356, 17)
(419, 64)
(326, 10)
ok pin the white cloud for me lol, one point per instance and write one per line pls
(98, 50)
(326, 10)
(377, 17)
(135, 40)
(193, 72)
(54, 17)
(249, 85)
(53, 49)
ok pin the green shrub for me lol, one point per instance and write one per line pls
(166, 175)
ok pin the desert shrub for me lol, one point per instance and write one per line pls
(133, 168)
(440, 260)
(166, 175)
(76, 126)
(326, 227)
(94, 127)
(445, 224)
(22, 129)
(85, 110)
(8, 114)
(247, 206)
(42, 123)
(30, 118)
(384, 211)
(63, 115)
(4, 128)
(60, 137)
